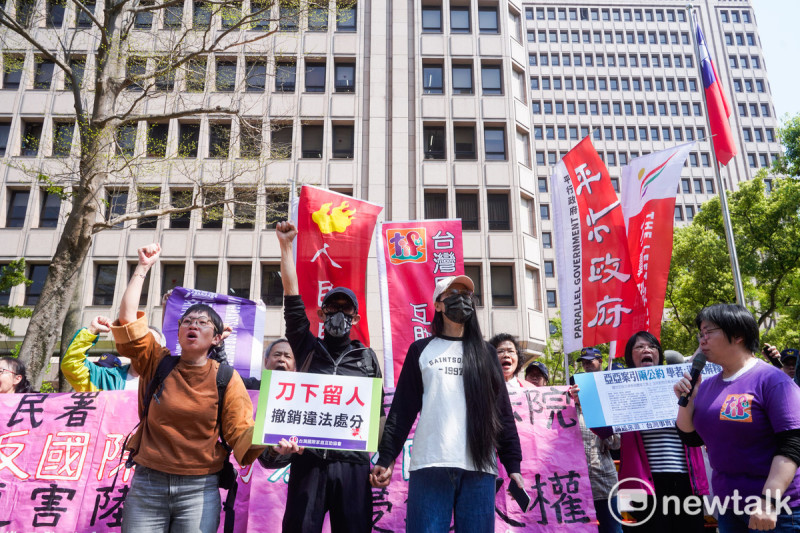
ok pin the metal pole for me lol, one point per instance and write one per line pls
(723, 197)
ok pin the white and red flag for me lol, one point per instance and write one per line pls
(649, 186)
(412, 257)
(599, 298)
(334, 233)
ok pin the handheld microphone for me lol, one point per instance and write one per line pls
(698, 364)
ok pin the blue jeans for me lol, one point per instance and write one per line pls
(171, 503)
(435, 495)
(732, 523)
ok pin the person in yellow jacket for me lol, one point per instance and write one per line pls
(107, 373)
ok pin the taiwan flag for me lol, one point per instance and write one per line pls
(718, 109)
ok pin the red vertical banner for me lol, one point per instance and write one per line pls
(599, 298)
(334, 232)
(412, 257)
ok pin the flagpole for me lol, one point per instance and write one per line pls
(723, 196)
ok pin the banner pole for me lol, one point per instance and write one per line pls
(723, 196)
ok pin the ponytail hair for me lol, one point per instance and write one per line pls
(483, 380)
(18, 367)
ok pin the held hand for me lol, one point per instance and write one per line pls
(286, 447)
(148, 255)
(100, 324)
(518, 480)
(226, 331)
(761, 520)
(573, 392)
(770, 351)
(381, 476)
(683, 385)
(286, 232)
(166, 297)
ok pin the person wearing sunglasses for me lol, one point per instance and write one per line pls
(12, 376)
(324, 481)
(454, 381)
(177, 448)
(748, 417)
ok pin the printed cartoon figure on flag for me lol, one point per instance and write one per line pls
(334, 233)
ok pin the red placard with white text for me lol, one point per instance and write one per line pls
(599, 298)
(334, 233)
(412, 257)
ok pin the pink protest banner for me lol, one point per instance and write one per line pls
(412, 257)
(59, 453)
(599, 298)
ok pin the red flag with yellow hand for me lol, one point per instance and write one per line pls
(334, 233)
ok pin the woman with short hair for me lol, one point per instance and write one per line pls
(12, 376)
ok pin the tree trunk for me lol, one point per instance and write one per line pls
(72, 322)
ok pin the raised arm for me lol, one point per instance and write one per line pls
(148, 255)
(286, 233)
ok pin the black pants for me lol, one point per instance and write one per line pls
(317, 486)
(669, 484)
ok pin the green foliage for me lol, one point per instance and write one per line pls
(12, 275)
(47, 388)
(789, 136)
(767, 234)
(51, 187)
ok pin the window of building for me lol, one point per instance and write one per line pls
(498, 212)
(343, 139)
(462, 79)
(78, 67)
(494, 139)
(188, 139)
(173, 16)
(205, 278)
(432, 79)
(201, 17)
(117, 205)
(213, 210)
(50, 209)
(104, 282)
(281, 141)
(474, 273)
(17, 207)
(311, 142)
(219, 140)
(180, 199)
(487, 20)
(345, 74)
(43, 76)
(239, 280)
(285, 76)
(690, 212)
(459, 19)
(432, 19)
(502, 279)
(467, 210)
(491, 79)
(196, 75)
(62, 138)
(551, 299)
(544, 211)
(226, 75)
(464, 142)
(37, 274)
(434, 143)
(157, 135)
(172, 276)
(271, 285)
(315, 77)
(277, 206)
(31, 137)
(346, 17)
(435, 205)
(256, 76)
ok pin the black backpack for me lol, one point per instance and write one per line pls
(228, 475)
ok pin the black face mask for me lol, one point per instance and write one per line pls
(458, 308)
(338, 324)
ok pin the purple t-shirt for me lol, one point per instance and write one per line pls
(738, 420)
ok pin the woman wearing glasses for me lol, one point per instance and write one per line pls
(659, 458)
(454, 381)
(176, 448)
(12, 376)
(748, 417)
(510, 361)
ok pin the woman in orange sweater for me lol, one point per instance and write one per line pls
(176, 448)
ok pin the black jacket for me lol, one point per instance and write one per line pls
(345, 359)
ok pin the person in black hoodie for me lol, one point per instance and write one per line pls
(323, 481)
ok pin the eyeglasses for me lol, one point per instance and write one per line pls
(200, 322)
(333, 308)
(509, 351)
(642, 347)
(704, 334)
(7, 371)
